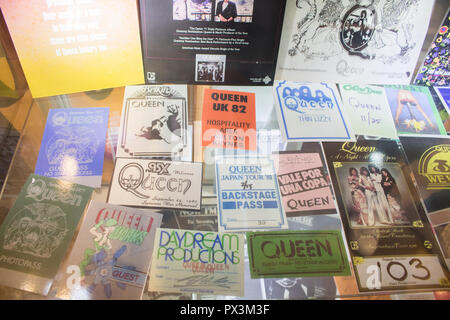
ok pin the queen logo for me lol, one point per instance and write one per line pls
(302, 99)
(434, 166)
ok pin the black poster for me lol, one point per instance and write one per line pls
(389, 236)
(211, 41)
(429, 159)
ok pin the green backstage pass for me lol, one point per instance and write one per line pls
(281, 254)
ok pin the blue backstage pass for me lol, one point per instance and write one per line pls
(73, 145)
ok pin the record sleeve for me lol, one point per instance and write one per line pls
(389, 236)
(429, 160)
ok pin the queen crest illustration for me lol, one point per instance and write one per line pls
(79, 143)
(39, 232)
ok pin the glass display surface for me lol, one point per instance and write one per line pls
(269, 142)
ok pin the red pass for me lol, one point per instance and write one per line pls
(228, 119)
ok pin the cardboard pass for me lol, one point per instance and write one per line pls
(37, 231)
(297, 254)
(74, 46)
(197, 261)
(229, 119)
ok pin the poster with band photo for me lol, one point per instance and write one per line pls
(211, 41)
(389, 236)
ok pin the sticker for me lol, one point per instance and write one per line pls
(228, 119)
(154, 122)
(198, 261)
(248, 194)
(310, 111)
(156, 184)
(297, 254)
(368, 110)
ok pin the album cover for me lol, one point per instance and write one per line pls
(304, 182)
(156, 184)
(202, 262)
(111, 255)
(311, 112)
(429, 160)
(414, 110)
(352, 40)
(388, 233)
(37, 231)
(73, 145)
(211, 41)
(368, 110)
(435, 70)
(154, 122)
(444, 96)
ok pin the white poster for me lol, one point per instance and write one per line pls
(310, 112)
(365, 41)
(368, 109)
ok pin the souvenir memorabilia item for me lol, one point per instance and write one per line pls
(203, 220)
(197, 261)
(444, 95)
(389, 235)
(304, 182)
(429, 160)
(37, 231)
(156, 184)
(211, 41)
(368, 109)
(74, 46)
(153, 122)
(73, 145)
(297, 254)
(111, 254)
(248, 194)
(352, 41)
(310, 111)
(435, 70)
(414, 111)
(228, 119)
